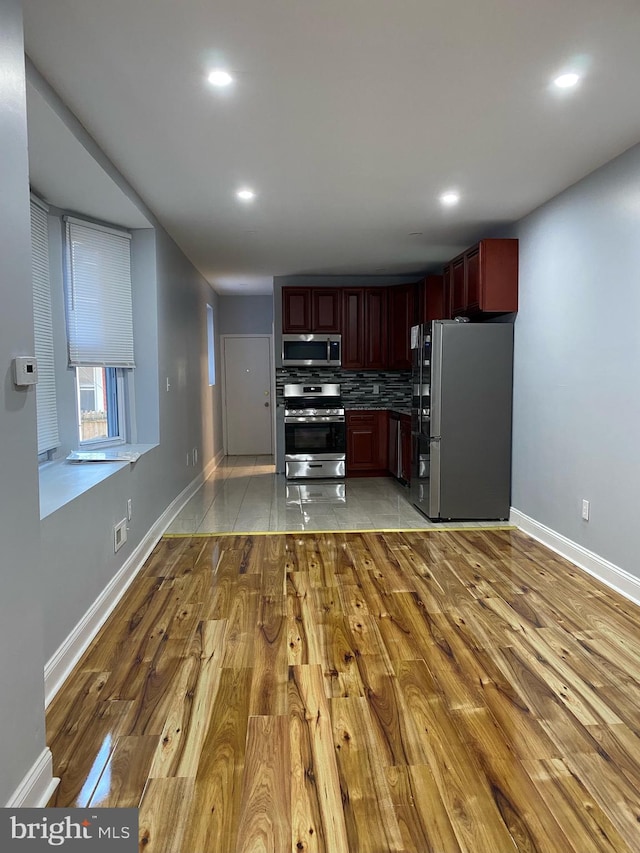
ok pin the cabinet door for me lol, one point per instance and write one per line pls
(458, 294)
(362, 448)
(432, 300)
(367, 441)
(499, 275)
(352, 328)
(296, 309)
(472, 273)
(447, 278)
(375, 323)
(325, 309)
(402, 301)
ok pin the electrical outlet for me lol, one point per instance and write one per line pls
(129, 509)
(585, 510)
(119, 534)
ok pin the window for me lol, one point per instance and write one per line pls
(211, 346)
(99, 327)
(100, 404)
(47, 414)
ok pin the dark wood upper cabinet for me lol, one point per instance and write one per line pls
(325, 310)
(375, 323)
(311, 309)
(472, 273)
(296, 309)
(485, 278)
(364, 328)
(432, 302)
(353, 332)
(402, 315)
(458, 289)
(447, 278)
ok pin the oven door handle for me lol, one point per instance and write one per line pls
(331, 419)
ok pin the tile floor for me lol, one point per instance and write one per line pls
(244, 494)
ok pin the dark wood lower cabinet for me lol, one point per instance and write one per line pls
(367, 437)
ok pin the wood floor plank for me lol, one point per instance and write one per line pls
(316, 799)
(265, 804)
(164, 814)
(580, 817)
(422, 817)
(270, 662)
(187, 719)
(213, 822)
(439, 691)
(370, 819)
(80, 762)
(125, 774)
(464, 789)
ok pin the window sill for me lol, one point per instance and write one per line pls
(62, 482)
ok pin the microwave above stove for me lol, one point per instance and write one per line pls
(311, 350)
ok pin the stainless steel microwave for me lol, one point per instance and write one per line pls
(311, 350)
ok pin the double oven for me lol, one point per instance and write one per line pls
(315, 431)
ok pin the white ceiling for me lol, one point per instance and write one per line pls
(348, 118)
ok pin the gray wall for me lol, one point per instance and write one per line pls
(245, 315)
(22, 656)
(43, 598)
(577, 362)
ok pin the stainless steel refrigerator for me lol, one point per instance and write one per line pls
(462, 381)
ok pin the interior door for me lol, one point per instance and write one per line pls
(247, 383)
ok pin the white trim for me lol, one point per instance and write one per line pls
(60, 664)
(613, 576)
(38, 785)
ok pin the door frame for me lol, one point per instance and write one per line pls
(272, 384)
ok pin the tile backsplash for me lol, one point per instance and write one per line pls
(357, 386)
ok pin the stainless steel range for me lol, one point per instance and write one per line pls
(315, 431)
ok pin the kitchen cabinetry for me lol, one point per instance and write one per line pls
(364, 328)
(367, 442)
(458, 290)
(484, 279)
(311, 309)
(431, 300)
(402, 315)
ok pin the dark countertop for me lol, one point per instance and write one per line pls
(396, 410)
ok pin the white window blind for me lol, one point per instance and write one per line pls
(98, 295)
(43, 331)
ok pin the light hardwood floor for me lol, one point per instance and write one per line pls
(458, 691)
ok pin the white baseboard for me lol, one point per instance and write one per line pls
(38, 785)
(59, 666)
(611, 575)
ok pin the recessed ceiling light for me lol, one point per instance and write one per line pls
(567, 81)
(220, 77)
(450, 198)
(245, 194)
